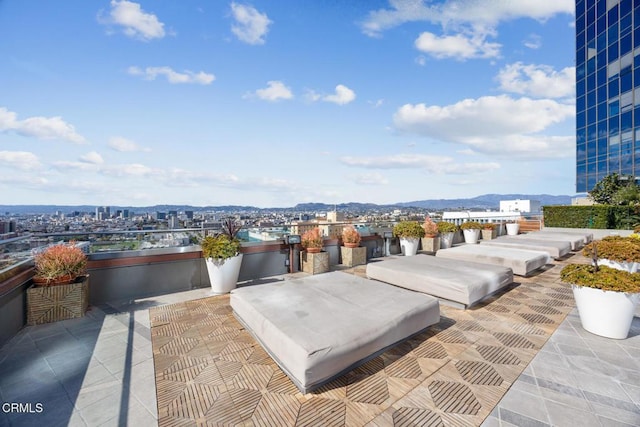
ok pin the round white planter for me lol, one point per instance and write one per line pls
(409, 246)
(631, 267)
(471, 235)
(605, 313)
(446, 240)
(223, 274)
(513, 229)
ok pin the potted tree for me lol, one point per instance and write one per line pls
(606, 297)
(313, 260)
(409, 233)
(351, 253)
(60, 285)
(447, 230)
(471, 231)
(488, 231)
(312, 240)
(350, 237)
(430, 241)
(223, 258)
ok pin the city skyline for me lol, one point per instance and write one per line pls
(253, 103)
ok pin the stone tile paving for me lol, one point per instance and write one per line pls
(577, 379)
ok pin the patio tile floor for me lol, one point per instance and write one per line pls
(98, 371)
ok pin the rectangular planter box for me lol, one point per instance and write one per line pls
(430, 244)
(314, 263)
(489, 234)
(46, 304)
(353, 256)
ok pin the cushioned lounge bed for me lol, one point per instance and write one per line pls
(586, 237)
(522, 262)
(321, 326)
(462, 282)
(555, 249)
(576, 242)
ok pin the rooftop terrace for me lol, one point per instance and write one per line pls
(519, 358)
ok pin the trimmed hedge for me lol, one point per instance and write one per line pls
(596, 216)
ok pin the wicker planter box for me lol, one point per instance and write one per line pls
(315, 263)
(353, 256)
(46, 304)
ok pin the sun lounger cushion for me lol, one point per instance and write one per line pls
(320, 326)
(555, 249)
(463, 282)
(576, 241)
(586, 236)
(522, 262)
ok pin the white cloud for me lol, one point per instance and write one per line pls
(174, 77)
(421, 60)
(377, 103)
(342, 96)
(65, 166)
(22, 160)
(497, 125)
(450, 13)
(39, 127)
(133, 170)
(540, 81)
(431, 164)
(92, 158)
(534, 41)
(274, 91)
(135, 22)
(458, 46)
(250, 25)
(370, 179)
(121, 144)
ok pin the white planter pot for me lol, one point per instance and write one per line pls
(223, 274)
(631, 267)
(446, 240)
(513, 229)
(605, 313)
(471, 236)
(409, 246)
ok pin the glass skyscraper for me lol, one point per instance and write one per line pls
(607, 90)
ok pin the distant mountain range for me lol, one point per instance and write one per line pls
(486, 201)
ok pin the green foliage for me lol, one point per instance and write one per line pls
(220, 247)
(408, 229)
(605, 191)
(447, 227)
(605, 278)
(596, 216)
(471, 225)
(614, 248)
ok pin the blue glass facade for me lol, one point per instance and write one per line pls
(607, 90)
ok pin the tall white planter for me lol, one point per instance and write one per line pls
(446, 240)
(605, 313)
(223, 274)
(471, 235)
(631, 267)
(513, 229)
(409, 246)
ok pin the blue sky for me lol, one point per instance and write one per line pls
(273, 103)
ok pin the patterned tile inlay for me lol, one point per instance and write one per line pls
(210, 371)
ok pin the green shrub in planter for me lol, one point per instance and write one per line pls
(447, 227)
(604, 278)
(614, 248)
(471, 225)
(220, 247)
(408, 229)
